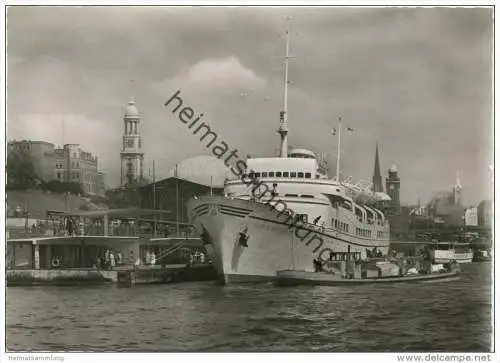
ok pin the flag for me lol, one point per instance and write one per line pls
(350, 129)
(334, 132)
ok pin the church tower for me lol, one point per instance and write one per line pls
(392, 186)
(457, 191)
(377, 177)
(131, 156)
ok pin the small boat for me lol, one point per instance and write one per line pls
(294, 277)
(445, 252)
(344, 268)
(463, 253)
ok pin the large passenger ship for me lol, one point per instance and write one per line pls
(305, 215)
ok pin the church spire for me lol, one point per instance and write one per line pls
(131, 155)
(458, 185)
(457, 191)
(377, 177)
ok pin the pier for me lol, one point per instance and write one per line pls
(52, 254)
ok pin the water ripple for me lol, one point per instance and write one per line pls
(451, 316)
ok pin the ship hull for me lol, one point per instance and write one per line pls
(250, 242)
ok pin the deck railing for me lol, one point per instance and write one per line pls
(93, 230)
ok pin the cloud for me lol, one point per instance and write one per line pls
(221, 73)
(213, 76)
(418, 81)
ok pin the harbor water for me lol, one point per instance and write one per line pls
(204, 316)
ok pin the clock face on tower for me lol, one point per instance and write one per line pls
(391, 187)
(130, 143)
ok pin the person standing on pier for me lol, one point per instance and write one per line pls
(112, 263)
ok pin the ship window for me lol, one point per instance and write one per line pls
(257, 175)
(251, 174)
(359, 214)
(278, 174)
(271, 174)
(308, 175)
(291, 195)
(285, 174)
(264, 174)
(307, 196)
(293, 174)
(300, 174)
(317, 176)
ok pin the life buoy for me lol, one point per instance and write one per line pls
(55, 262)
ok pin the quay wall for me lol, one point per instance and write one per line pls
(75, 277)
(59, 277)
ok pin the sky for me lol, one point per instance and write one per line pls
(417, 81)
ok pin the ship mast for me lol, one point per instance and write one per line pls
(337, 176)
(283, 129)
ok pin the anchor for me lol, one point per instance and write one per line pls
(205, 236)
(244, 237)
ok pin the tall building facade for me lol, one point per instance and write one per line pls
(485, 213)
(446, 208)
(132, 157)
(377, 177)
(392, 185)
(42, 154)
(470, 217)
(77, 166)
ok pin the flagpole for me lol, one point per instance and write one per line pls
(283, 128)
(177, 198)
(338, 149)
(154, 198)
(154, 186)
